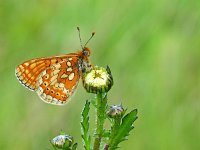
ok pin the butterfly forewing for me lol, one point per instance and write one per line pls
(54, 78)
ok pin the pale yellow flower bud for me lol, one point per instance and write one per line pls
(98, 80)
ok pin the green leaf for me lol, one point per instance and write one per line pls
(123, 130)
(115, 127)
(106, 133)
(74, 146)
(85, 126)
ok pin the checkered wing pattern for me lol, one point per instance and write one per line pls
(54, 79)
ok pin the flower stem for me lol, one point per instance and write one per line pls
(101, 116)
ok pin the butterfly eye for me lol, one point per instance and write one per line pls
(86, 52)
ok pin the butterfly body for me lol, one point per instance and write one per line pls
(54, 79)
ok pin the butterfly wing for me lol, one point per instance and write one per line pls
(54, 79)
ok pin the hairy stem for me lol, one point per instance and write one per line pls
(101, 115)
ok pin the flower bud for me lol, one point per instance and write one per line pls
(115, 111)
(98, 80)
(62, 141)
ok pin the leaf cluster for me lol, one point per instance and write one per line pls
(121, 128)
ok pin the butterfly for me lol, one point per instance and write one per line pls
(55, 78)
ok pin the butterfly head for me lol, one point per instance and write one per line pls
(84, 62)
(86, 52)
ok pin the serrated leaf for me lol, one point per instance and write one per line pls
(85, 126)
(86, 109)
(124, 129)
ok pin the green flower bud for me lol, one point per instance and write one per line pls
(115, 111)
(98, 80)
(62, 141)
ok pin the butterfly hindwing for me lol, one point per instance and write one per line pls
(57, 83)
(53, 78)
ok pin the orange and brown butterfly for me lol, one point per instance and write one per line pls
(55, 78)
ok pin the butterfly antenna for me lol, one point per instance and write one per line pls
(93, 33)
(79, 33)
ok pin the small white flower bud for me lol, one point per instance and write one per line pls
(62, 141)
(115, 111)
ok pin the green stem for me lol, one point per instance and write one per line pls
(101, 116)
(114, 128)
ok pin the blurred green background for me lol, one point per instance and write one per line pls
(151, 46)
